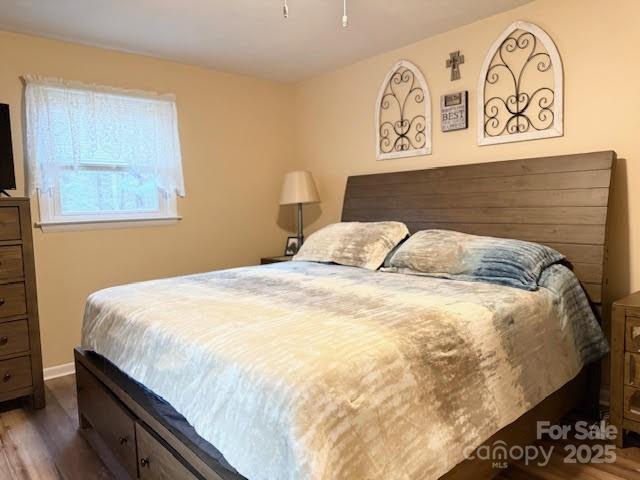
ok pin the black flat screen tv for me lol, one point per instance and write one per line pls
(7, 174)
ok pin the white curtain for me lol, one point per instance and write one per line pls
(70, 125)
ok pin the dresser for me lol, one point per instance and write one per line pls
(20, 354)
(625, 365)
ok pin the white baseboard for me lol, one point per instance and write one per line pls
(59, 371)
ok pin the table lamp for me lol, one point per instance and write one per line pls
(299, 188)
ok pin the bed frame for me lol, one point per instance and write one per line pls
(559, 201)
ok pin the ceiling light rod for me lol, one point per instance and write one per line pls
(345, 18)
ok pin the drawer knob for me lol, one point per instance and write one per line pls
(144, 462)
(123, 440)
(4, 341)
(7, 376)
(2, 301)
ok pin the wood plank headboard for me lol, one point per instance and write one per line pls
(559, 201)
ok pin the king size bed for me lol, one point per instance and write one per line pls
(311, 370)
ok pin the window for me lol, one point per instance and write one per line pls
(98, 155)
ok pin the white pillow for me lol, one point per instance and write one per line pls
(357, 244)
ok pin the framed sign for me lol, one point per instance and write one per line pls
(454, 114)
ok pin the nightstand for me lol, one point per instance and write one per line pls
(282, 258)
(625, 365)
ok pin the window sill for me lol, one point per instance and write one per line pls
(65, 226)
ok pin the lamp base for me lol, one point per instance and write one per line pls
(300, 234)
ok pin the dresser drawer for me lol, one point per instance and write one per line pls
(11, 262)
(15, 374)
(158, 462)
(12, 299)
(109, 418)
(14, 337)
(9, 223)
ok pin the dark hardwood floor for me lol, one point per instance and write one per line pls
(46, 444)
(626, 466)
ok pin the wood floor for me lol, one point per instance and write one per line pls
(626, 466)
(45, 444)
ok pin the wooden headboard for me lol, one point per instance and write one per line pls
(558, 201)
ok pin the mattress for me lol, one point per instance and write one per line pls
(309, 371)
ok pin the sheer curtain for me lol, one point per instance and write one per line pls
(71, 125)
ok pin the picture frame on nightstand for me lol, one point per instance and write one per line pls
(292, 246)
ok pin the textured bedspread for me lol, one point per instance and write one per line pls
(309, 371)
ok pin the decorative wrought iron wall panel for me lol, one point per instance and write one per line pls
(520, 90)
(403, 113)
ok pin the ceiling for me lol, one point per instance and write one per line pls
(247, 36)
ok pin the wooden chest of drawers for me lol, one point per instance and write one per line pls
(625, 365)
(20, 355)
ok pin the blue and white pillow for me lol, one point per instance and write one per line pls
(456, 255)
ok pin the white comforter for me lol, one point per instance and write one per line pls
(315, 372)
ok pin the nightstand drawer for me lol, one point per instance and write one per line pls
(268, 260)
(632, 335)
(632, 403)
(632, 369)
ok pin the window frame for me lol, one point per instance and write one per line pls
(49, 199)
(51, 215)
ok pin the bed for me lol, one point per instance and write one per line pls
(366, 335)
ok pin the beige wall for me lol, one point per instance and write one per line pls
(598, 42)
(234, 133)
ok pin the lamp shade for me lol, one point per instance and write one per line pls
(299, 187)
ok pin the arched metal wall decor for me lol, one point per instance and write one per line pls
(520, 90)
(403, 113)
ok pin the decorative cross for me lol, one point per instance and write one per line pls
(454, 62)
